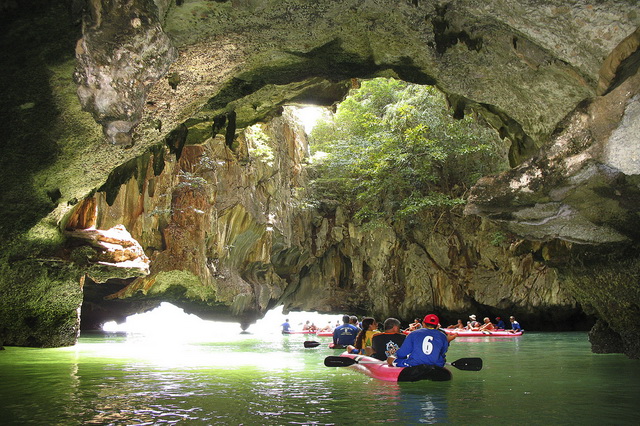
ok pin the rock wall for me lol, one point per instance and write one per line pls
(229, 237)
(533, 69)
(212, 220)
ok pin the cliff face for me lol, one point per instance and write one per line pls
(212, 221)
(140, 124)
(228, 235)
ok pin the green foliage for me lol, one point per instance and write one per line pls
(394, 150)
(498, 238)
(259, 145)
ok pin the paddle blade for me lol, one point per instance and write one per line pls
(338, 361)
(311, 344)
(469, 364)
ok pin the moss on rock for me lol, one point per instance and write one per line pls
(40, 303)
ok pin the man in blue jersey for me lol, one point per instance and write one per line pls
(427, 346)
(286, 327)
(345, 334)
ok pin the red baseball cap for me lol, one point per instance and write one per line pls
(432, 319)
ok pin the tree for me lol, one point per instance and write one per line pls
(393, 149)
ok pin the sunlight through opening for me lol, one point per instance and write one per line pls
(310, 115)
(167, 336)
(169, 320)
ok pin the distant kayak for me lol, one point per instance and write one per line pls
(299, 332)
(477, 333)
(325, 333)
(377, 369)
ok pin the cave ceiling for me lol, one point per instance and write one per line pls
(525, 68)
(528, 65)
(143, 69)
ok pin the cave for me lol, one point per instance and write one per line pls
(136, 117)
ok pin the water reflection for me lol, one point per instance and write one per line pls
(275, 380)
(425, 408)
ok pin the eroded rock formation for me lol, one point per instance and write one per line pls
(557, 80)
(583, 186)
(228, 235)
(122, 54)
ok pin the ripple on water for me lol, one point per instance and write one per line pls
(537, 379)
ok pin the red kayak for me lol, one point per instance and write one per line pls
(382, 371)
(478, 333)
(299, 332)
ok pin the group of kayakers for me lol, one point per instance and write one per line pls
(308, 326)
(486, 325)
(421, 343)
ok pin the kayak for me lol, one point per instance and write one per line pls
(380, 370)
(299, 332)
(478, 333)
(325, 333)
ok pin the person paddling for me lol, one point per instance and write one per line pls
(488, 325)
(415, 325)
(426, 346)
(458, 326)
(472, 324)
(286, 327)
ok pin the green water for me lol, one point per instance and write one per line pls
(539, 378)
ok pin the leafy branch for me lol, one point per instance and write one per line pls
(393, 150)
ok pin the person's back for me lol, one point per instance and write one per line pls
(387, 343)
(364, 338)
(285, 326)
(353, 320)
(427, 346)
(345, 334)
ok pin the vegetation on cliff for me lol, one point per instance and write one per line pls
(393, 149)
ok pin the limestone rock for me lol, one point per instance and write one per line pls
(576, 188)
(604, 340)
(117, 248)
(122, 54)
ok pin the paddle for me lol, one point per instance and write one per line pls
(468, 364)
(311, 344)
